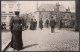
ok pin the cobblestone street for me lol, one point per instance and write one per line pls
(44, 40)
(27, 25)
(6, 36)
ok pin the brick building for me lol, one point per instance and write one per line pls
(59, 11)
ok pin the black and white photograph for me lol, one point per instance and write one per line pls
(39, 26)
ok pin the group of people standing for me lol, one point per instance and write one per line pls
(33, 24)
(51, 23)
(3, 26)
(16, 24)
(48, 23)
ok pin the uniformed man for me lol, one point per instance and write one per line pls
(41, 24)
(35, 23)
(32, 25)
(47, 23)
(52, 24)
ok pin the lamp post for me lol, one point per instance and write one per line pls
(37, 5)
(37, 17)
(18, 5)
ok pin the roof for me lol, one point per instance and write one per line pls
(46, 7)
(50, 7)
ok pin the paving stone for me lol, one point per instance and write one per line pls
(44, 40)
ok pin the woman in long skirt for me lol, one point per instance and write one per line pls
(32, 25)
(16, 30)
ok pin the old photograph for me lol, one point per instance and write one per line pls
(39, 26)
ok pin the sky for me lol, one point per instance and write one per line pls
(31, 6)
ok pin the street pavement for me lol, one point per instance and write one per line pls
(5, 37)
(44, 40)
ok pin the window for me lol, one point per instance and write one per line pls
(43, 9)
(10, 12)
(3, 5)
(10, 16)
(10, 5)
(39, 12)
(3, 16)
(3, 12)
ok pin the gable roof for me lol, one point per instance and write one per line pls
(46, 7)
(50, 7)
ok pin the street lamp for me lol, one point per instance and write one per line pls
(37, 5)
(18, 6)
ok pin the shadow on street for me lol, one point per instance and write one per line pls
(29, 46)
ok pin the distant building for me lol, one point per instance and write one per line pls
(68, 18)
(59, 11)
(7, 11)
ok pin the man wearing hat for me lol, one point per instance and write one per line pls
(52, 24)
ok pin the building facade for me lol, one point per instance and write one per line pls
(66, 16)
(7, 11)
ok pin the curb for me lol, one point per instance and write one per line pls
(6, 45)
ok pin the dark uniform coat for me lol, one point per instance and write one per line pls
(47, 23)
(52, 23)
(35, 24)
(32, 25)
(16, 30)
(2, 26)
(40, 24)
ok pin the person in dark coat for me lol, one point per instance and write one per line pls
(41, 24)
(4, 26)
(52, 24)
(47, 23)
(16, 29)
(61, 24)
(32, 25)
(35, 24)
(23, 26)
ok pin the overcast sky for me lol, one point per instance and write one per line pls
(31, 6)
